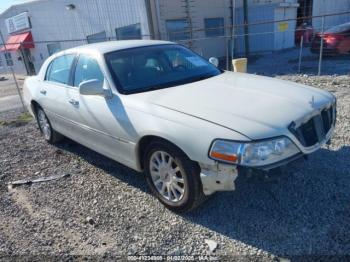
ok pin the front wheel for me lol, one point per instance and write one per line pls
(172, 177)
(49, 134)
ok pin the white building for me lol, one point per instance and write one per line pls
(326, 7)
(266, 36)
(59, 24)
(47, 26)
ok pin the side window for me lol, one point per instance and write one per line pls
(59, 69)
(214, 27)
(177, 29)
(87, 69)
(8, 58)
(129, 32)
(53, 48)
(95, 38)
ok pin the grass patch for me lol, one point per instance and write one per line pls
(25, 117)
(21, 119)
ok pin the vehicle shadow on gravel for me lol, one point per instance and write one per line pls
(108, 165)
(304, 212)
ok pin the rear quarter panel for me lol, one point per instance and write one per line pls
(30, 89)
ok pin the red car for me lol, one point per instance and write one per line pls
(336, 40)
(306, 31)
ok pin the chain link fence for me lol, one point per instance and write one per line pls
(318, 45)
(280, 47)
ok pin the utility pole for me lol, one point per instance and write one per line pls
(246, 29)
(232, 12)
(189, 20)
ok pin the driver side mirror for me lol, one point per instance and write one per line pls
(93, 87)
(214, 61)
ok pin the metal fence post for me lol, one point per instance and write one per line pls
(321, 48)
(300, 53)
(13, 73)
(227, 54)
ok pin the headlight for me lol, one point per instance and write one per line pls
(253, 153)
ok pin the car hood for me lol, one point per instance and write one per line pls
(255, 106)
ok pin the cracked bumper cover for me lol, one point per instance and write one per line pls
(220, 177)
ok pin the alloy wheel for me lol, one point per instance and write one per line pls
(167, 176)
(44, 124)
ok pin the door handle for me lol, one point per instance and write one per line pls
(43, 92)
(74, 102)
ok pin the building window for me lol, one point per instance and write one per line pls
(129, 32)
(95, 38)
(8, 58)
(53, 48)
(177, 29)
(214, 27)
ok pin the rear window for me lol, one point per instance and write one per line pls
(59, 69)
(339, 28)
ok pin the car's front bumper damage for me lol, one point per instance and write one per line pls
(219, 177)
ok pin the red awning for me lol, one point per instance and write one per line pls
(14, 42)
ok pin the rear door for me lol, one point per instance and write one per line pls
(54, 94)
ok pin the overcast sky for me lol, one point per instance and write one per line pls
(4, 4)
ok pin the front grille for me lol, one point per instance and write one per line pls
(315, 129)
(327, 119)
(307, 133)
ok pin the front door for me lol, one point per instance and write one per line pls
(103, 122)
(27, 60)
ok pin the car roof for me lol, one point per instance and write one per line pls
(101, 48)
(110, 46)
(339, 28)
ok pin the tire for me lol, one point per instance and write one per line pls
(49, 134)
(181, 173)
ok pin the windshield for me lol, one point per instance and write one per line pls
(154, 67)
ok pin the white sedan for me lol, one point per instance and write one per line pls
(159, 108)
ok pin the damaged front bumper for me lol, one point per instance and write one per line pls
(221, 177)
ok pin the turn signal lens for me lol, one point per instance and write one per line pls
(229, 158)
(224, 151)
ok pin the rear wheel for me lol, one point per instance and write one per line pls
(172, 177)
(49, 134)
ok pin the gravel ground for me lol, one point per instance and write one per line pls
(8, 86)
(105, 209)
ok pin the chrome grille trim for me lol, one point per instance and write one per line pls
(316, 128)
